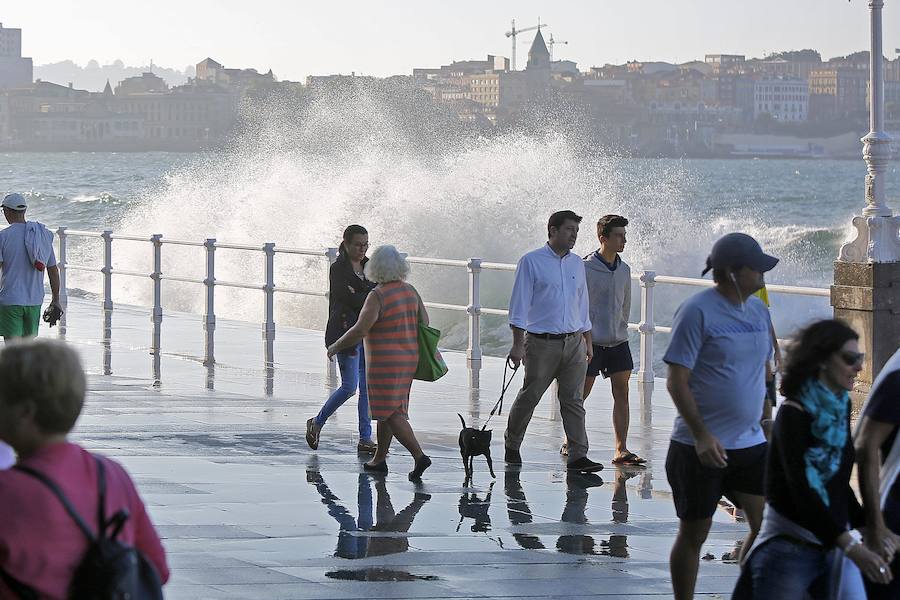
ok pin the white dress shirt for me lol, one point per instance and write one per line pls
(550, 293)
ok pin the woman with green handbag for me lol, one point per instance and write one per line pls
(389, 321)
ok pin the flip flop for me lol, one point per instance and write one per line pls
(629, 460)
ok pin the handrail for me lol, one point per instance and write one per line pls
(647, 280)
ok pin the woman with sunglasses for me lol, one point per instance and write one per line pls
(347, 291)
(810, 507)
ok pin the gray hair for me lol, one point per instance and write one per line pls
(386, 264)
(48, 373)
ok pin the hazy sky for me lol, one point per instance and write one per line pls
(381, 37)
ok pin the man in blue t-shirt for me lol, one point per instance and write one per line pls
(716, 376)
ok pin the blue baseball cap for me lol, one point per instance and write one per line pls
(14, 202)
(739, 250)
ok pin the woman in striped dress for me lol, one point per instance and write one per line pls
(389, 323)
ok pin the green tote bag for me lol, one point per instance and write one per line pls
(431, 365)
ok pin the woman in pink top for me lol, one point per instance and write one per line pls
(42, 388)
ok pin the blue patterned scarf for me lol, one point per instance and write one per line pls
(829, 430)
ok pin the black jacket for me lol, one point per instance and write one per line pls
(787, 487)
(344, 305)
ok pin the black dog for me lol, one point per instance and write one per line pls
(472, 443)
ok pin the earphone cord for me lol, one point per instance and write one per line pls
(738, 288)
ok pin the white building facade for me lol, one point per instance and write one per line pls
(786, 100)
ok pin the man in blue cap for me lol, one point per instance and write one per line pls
(716, 361)
(26, 251)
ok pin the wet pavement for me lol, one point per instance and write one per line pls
(247, 510)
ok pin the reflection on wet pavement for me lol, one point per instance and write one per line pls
(473, 507)
(358, 538)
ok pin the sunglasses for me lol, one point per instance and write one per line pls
(852, 358)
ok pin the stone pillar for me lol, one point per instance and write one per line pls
(867, 296)
(866, 290)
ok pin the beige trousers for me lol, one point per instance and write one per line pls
(546, 360)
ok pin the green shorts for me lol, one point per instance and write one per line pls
(19, 321)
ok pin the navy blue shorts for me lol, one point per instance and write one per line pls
(697, 489)
(607, 361)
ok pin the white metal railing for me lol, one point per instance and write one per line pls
(648, 280)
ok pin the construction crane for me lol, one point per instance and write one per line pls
(550, 43)
(514, 32)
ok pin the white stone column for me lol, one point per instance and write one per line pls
(865, 293)
(877, 230)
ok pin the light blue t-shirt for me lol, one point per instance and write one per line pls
(726, 349)
(20, 283)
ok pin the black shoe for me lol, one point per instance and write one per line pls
(379, 468)
(584, 465)
(512, 456)
(423, 463)
(312, 434)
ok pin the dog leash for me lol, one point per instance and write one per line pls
(498, 407)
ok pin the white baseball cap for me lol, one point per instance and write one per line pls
(14, 202)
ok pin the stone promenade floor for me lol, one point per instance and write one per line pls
(247, 510)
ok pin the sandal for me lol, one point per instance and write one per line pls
(629, 459)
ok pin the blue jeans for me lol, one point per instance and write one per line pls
(783, 569)
(352, 364)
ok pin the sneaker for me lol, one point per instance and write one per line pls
(564, 449)
(423, 463)
(312, 434)
(584, 465)
(367, 446)
(513, 457)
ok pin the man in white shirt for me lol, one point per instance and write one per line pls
(21, 275)
(549, 317)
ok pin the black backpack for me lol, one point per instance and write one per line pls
(110, 570)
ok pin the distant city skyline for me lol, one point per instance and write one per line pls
(387, 37)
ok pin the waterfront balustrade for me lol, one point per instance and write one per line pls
(475, 267)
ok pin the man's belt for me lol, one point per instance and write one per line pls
(552, 336)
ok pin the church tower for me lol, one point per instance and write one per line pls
(538, 55)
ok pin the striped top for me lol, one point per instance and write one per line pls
(392, 349)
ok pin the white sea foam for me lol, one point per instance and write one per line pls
(298, 174)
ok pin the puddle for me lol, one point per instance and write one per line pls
(378, 575)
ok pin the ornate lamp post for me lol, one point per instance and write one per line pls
(877, 229)
(866, 291)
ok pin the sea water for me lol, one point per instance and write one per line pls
(299, 179)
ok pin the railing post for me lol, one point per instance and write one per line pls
(269, 326)
(209, 319)
(647, 326)
(107, 270)
(157, 314)
(61, 264)
(473, 353)
(332, 255)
